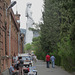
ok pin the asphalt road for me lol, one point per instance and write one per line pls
(42, 70)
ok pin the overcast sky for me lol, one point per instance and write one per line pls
(37, 6)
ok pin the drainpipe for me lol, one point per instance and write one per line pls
(10, 38)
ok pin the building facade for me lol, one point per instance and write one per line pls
(23, 31)
(4, 59)
(22, 36)
(15, 29)
(9, 32)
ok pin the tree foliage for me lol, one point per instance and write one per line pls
(58, 31)
(37, 48)
(28, 47)
(50, 30)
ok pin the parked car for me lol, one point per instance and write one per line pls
(27, 59)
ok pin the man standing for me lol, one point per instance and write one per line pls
(53, 61)
(21, 64)
(47, 60)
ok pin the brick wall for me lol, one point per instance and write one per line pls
(2, 35)
(7, 46)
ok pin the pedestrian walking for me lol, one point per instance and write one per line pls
(35, 58)
(21, 64)
(53, 61)
(47, 60)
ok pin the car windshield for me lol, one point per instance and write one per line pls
(26, 57)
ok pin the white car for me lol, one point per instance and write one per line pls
(27, 59)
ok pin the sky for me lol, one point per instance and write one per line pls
(37, 8)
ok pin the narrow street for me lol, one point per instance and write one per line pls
(42, 70)
(35, 28)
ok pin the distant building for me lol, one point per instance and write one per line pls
(24, 32)
(22, 36)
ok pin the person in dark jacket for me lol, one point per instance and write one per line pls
(47, 60)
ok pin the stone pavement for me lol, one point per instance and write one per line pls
(42, 70)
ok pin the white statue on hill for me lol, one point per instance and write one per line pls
(29, 24)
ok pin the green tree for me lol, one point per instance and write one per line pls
(28, 47)
(58, 31)
(50, 29)
(37, 48)
(65, 45)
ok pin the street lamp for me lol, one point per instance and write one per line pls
(10, 6)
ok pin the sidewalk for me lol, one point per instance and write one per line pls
(42, 70)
